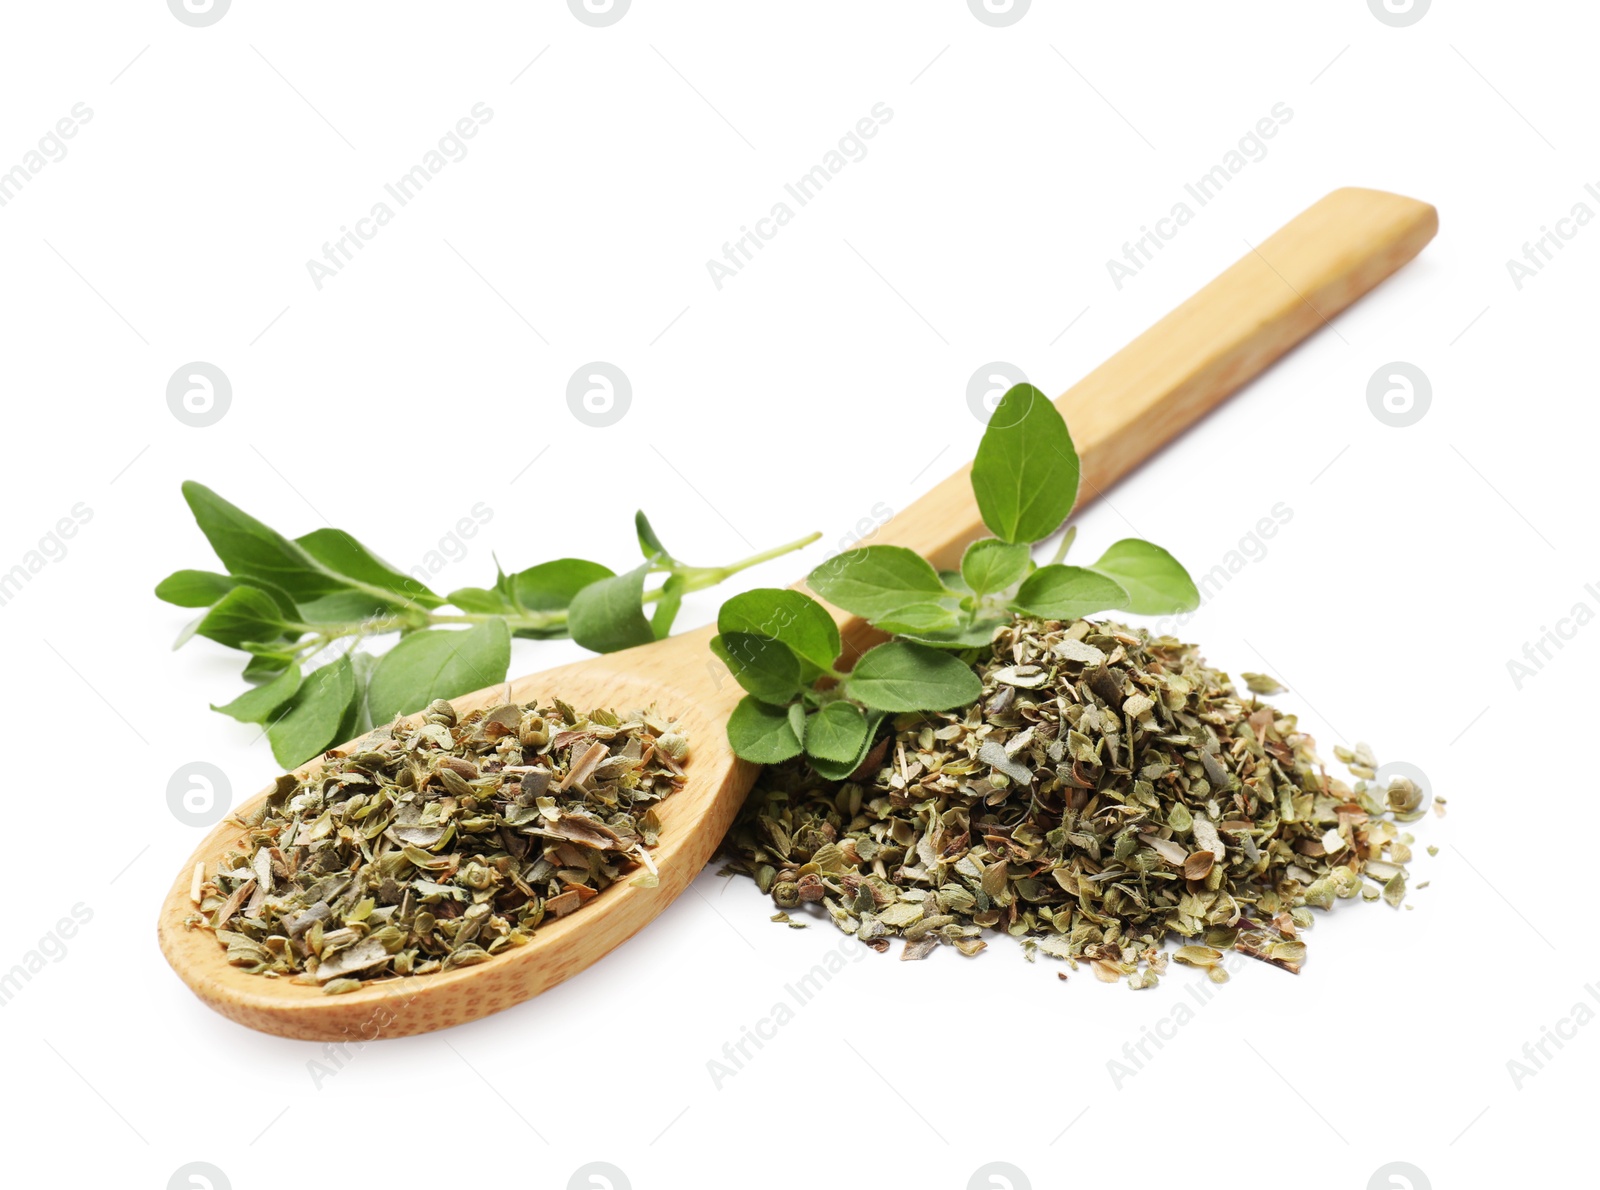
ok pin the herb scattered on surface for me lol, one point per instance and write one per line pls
(783, 647)
(1263, 684)
(1104, 791)
(291, 603)
(440, 845)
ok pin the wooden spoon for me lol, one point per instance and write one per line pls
(1119, 414)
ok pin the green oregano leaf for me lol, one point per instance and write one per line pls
(1156, 582)
(971, 635)
(202, 588)
(763, 666)
(343, 554)
(835, 732)
(344, 606)
(993, 565)
(833, 770)
(917, 619)
(195, 588)
(244, 614)
(358, 717)
(609, 615)
(314, 715)
(1068, 593)
(789, 616)
(249, 548)
(903, 676)
(877, 580)
(649, 543)
(438, 663)
(258, 705)
(482, 601)
(667, 605)
(552, 586)
(762, 733)
(1025, 475)
(263, 666)
(547, 587)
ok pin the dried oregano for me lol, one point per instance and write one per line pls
(1107, 791)
(439, 845)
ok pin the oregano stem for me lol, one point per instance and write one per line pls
(1066, 544)
(696, 578)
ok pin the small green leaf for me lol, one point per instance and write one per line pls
(243, 614)
(270, 648)
(342, 607)
(877, 580)
(258, 705)
(992, 565)
(357, 719)
(1025, 475)
(609, 615)
(917, 618)
(202, 588)
(835, 732)
(833, 770)
(263, 666)
(551, 586)
(667, 605)
(761, 733)
(350, 722)
(649, 544)
(1068, 593)
(186, 633)
(968, 636)
(1157, 584)
(763, 666)
(343, 554)
(790, 616)
(195, 588)
(315, 714)
(902, 676)
(438, 663)
(481, 601)
(797, 719)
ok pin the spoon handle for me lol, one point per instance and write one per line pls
(1277, 294)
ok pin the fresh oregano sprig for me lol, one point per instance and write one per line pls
(291, 603)
(783, 646)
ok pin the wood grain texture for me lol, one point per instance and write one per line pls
(1121, 413)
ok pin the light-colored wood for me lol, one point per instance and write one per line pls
(1167, 378)
(678, 674)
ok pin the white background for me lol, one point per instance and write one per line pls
(828, 377)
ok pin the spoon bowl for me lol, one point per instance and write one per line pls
(1285, 289)
(680, 676)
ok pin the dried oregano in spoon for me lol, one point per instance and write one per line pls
(440, 845)
(1106, 791)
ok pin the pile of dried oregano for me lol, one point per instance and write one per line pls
(1108, 790)
(441, 844)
